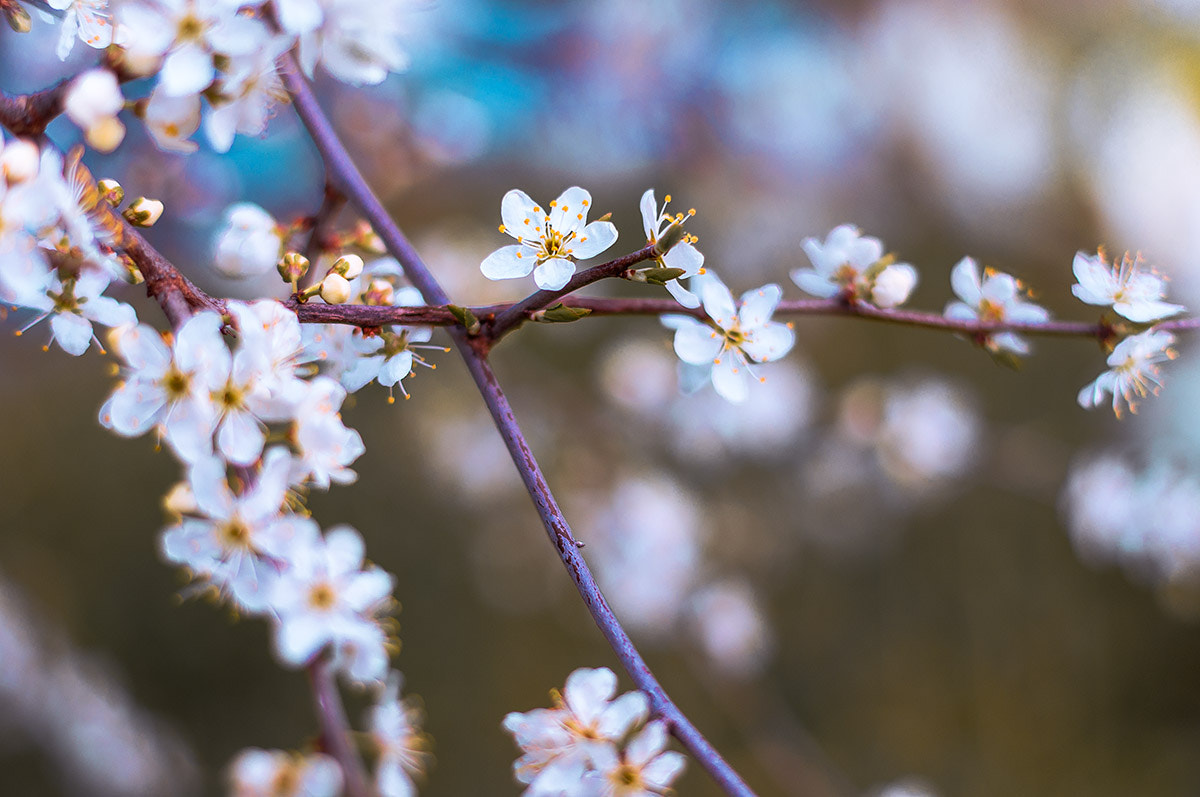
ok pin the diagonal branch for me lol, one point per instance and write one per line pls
(341, 169)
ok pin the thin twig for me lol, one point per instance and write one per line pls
(340, 167)
(335, 728)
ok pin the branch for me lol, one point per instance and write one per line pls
(335, 727)
(340, 168)
(331, 204)
(28, 114)
(516, 314)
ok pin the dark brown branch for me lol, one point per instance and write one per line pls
(28, 114)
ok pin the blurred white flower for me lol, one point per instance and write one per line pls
(276, 773)
(1131, 290)
(1133, 371)
(394, 726)
(731, 629)
(249, 242)
(853, 266)
(93, 101)
(996, 297)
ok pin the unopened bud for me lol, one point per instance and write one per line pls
(111, 191)
(335, 289)
(349, 266)
(366, 238)
(671, 236)
(466, 318)
(292, 266)
(19, 160)
(658, 276)
(130, 272)
(143, 212)
(560, 314)
(18, 18)
(106, 135)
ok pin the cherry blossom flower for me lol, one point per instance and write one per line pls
(682, 255)
(325, 595)
(276, 773)
(394, 726)
(738, 335)
(164, 385)
(854, 266)
(248, 88)
(1133, 291)
(560, 745)
(250, 242)
(1133, 371)
(88, 21)
(73, 305)
(325, 447)
(645, 767)
(239, 542)
(93, 101)
(996, 297)
(548, 243)
(171, 120)
(357, 41)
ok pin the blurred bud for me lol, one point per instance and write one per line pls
(19, 160)
(143, 212)
(379, 292)
(292, 266)
(18, 18)
(180, 501)
(111, 191)
(349, 266)
(893, 285)
(560, 314)
(466, 318)
(366, 238)
(106, 135)
(335, 289)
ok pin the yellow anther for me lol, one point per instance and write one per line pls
(666, 199)
(691, 211)
(554, 203)
(579, 216)
(585, 203)
(526, 221)
(520, 254)
(391, 399)
(502, 227)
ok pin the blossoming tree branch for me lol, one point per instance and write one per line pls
(247, 396)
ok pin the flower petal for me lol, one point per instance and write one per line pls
(509, 262)
(594, 239)
(554, 274)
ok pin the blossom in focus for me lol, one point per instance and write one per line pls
(993, 298)
(1132, 290)
(683, 255)
(249, 243)
(326, 596)
(1132, 371)
(643, 769)
(548, 242)
(854, 266)
(738, 335)
(394, 727)
(73, 305)
(276, 773)
(561, 745)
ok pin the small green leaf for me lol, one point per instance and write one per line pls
(465, 317)
(560, 314)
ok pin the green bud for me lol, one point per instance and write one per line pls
(348, 266)
(660, 276)
(143, 212)
(18, 18)
(671, 236)
(292, 266)
(560, 314)
(465, 318)
(111, 192)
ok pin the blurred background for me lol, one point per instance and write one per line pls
(898, 566)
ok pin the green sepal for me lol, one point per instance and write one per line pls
(560, 314)
(465, 318)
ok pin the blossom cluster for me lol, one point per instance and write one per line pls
(220, 54)
(586, 746)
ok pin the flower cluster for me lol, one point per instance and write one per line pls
(224, 55)
(54, 253)
(586, 744)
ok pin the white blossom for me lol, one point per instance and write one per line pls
(994, 298)
(93, 101)
(548, 242)
(357, 41)
(249, 243)
(171, 120)
(738, 335)
(1133, 371)
(683, 255)
(73, 305)
(88, 21)
(394, 726)
(854, 266)
(1132, 290)
(276, 773)
(645, 767)
(245, 94)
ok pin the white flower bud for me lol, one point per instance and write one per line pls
(349, 266)
(106, 135)
(335, 289)
(92, 98)
(19, 161)
(143, 212)
(893, 285)
(249, 243)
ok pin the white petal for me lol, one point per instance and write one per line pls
(717, 300)
(240, 438)
(520, 215)
(682, 294)
(570, 210)
(685, 256)
(509, 262)
(731, 379)
(554, 274)
(588, 690)
(649, 209)
(73, 333)
(964, 280)
(594, 239)
(758, 305)
(698, 344)
(1145, 311)
(770, 342)
(298, 638)
(187, 70)
(814, 284)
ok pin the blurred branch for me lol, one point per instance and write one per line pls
(28, 114)
(335, 728)
(318, 236)
(341, 169)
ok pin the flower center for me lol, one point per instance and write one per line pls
(234, 534)
(176, 384)
(322, 596)
(990, 311)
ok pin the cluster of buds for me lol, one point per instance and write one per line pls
(335, 287)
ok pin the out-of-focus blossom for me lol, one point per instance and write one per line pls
(276, 773)
(357, 41)
(246, 93)
(172, 120)
(731, 629)
(645, 767)
(853, 266)
(548, 242)
(249, 243)
(394, 726)
(93, 101)
(994, 298)
(1130, 289)
(88, 21)
(1132, 371)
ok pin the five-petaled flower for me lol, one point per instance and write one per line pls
(1132, 371)
(548, 241)
(854, 266)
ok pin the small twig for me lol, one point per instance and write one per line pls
(515, 315)
(318, 237)
(28, 114)
(335, 728)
